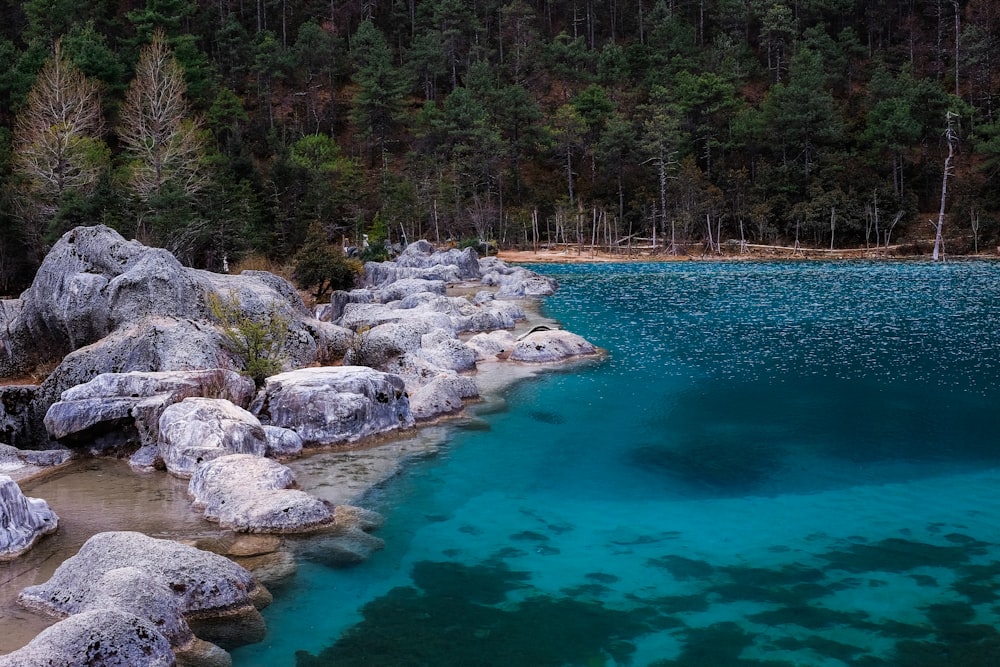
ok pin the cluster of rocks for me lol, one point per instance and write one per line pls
(142, 367)
(135, 600)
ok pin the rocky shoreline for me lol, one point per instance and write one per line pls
(144, 370)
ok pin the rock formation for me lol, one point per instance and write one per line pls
(23, 520)
(97, 638)
(101, 304)
(198, 430)
(252, 494)
(181, 591)
(333, 405)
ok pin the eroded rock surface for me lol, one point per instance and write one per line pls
(551, 345)
(337, 404)
(198, 430)
(253, 494)
(23, 520)
(97, 638)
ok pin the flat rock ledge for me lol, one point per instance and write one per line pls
(251, 494)
(187, 596)
(123, 409)
(19, 464)
(23, 520)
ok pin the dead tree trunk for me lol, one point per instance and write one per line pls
(952, 138)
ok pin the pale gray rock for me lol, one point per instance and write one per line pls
(103, 304)
(360, 316)
(203, 584)
(20, 463)
(144, 594)
(378, 274)
(282, 443)
(551, 345)
(331, 405)
(443, 350)
(198, 430)
(117, 401)
(251, 494)
(339, 299)
(515, 281)
(443, 394)
(492, 346)
(418, 255)
(23, 520)
(96, 638)
(405, 287)
(376, 346)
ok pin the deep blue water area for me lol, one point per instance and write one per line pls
(775, 464)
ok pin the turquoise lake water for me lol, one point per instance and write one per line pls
(776, 464)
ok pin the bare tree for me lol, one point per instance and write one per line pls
(57, 145)
(951, 136)
(163, 140)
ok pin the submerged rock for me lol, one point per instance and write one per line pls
(336, 404)
(23, 520)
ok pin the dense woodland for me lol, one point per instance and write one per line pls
(236, 128)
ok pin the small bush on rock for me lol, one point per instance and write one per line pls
(257, 342)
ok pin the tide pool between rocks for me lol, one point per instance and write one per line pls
(776, 464)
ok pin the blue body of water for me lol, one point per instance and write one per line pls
(777, 464)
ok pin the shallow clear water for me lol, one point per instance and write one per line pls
(788, 463)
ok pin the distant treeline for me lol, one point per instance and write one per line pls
(222, 129)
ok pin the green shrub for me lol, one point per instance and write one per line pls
(256, 342)
(321, 266)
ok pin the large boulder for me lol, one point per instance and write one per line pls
(198, 430)
(550, 345)
(444, 393)
(204, 586)
(96, 638)
(331, 405)
(251, 494)
(23, 520)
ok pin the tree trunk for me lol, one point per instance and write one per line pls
(951, 138)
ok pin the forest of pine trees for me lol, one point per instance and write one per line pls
(225, 129)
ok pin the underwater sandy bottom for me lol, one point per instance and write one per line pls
(829, 578)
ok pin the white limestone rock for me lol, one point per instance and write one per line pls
(492, 346)
(197, 430)
(336, 404)
(251, 494)
(443, 394)
(551, 345)
(203, 584)
(282, 443)
(23, 520)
